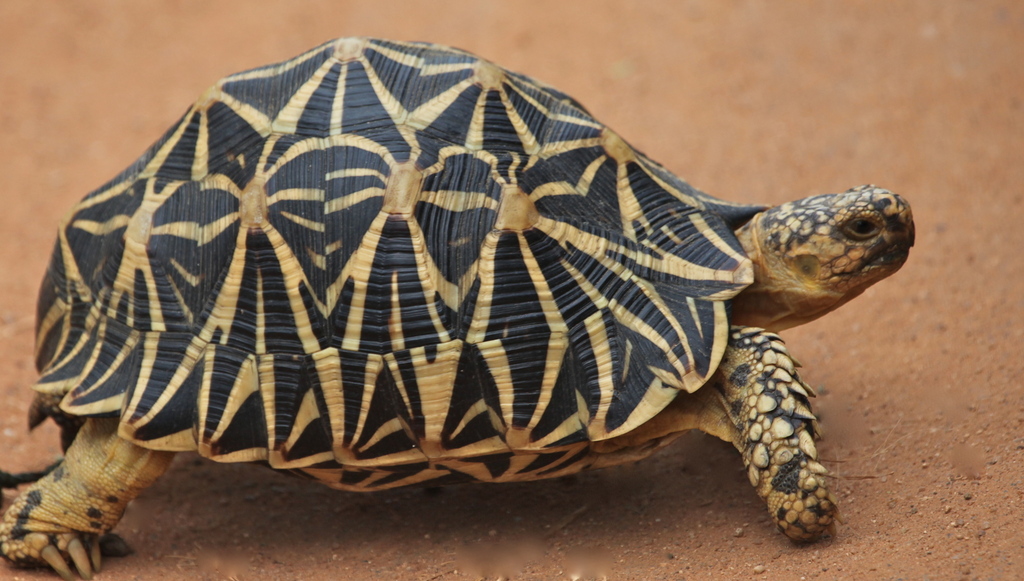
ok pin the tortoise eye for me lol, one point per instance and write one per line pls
(861, 229)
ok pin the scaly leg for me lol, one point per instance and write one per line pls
(768, 403)
(63, 515)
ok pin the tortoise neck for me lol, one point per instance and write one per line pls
(781, 296)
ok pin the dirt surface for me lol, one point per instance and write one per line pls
(919, 380)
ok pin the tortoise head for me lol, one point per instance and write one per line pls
(813, 255)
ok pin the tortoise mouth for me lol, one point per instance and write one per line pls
(873, 269)
(894, 255)
(889, 259)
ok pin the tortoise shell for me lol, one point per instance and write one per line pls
(382, 263)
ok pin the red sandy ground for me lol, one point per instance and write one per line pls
(919, 380)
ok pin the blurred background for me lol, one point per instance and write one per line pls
(753, 101)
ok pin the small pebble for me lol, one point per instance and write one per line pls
(759, 569)
(112, 545)
(737, 533)
(968, 496)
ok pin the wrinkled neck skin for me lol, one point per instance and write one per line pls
(786, 291)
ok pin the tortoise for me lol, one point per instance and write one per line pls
(382, 264)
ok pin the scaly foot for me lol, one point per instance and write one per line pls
(768, 402)
(55, 549)
(61, 518)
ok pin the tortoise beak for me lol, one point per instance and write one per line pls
(898, 238)
(901, 222)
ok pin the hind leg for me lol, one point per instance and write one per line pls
(62, 516)
(768, 404)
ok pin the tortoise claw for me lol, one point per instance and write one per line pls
(56, 561)
(96, 556)
(80, 558)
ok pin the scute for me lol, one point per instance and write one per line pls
(382, 263)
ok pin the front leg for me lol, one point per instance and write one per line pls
(768, 403)
(63, 515)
